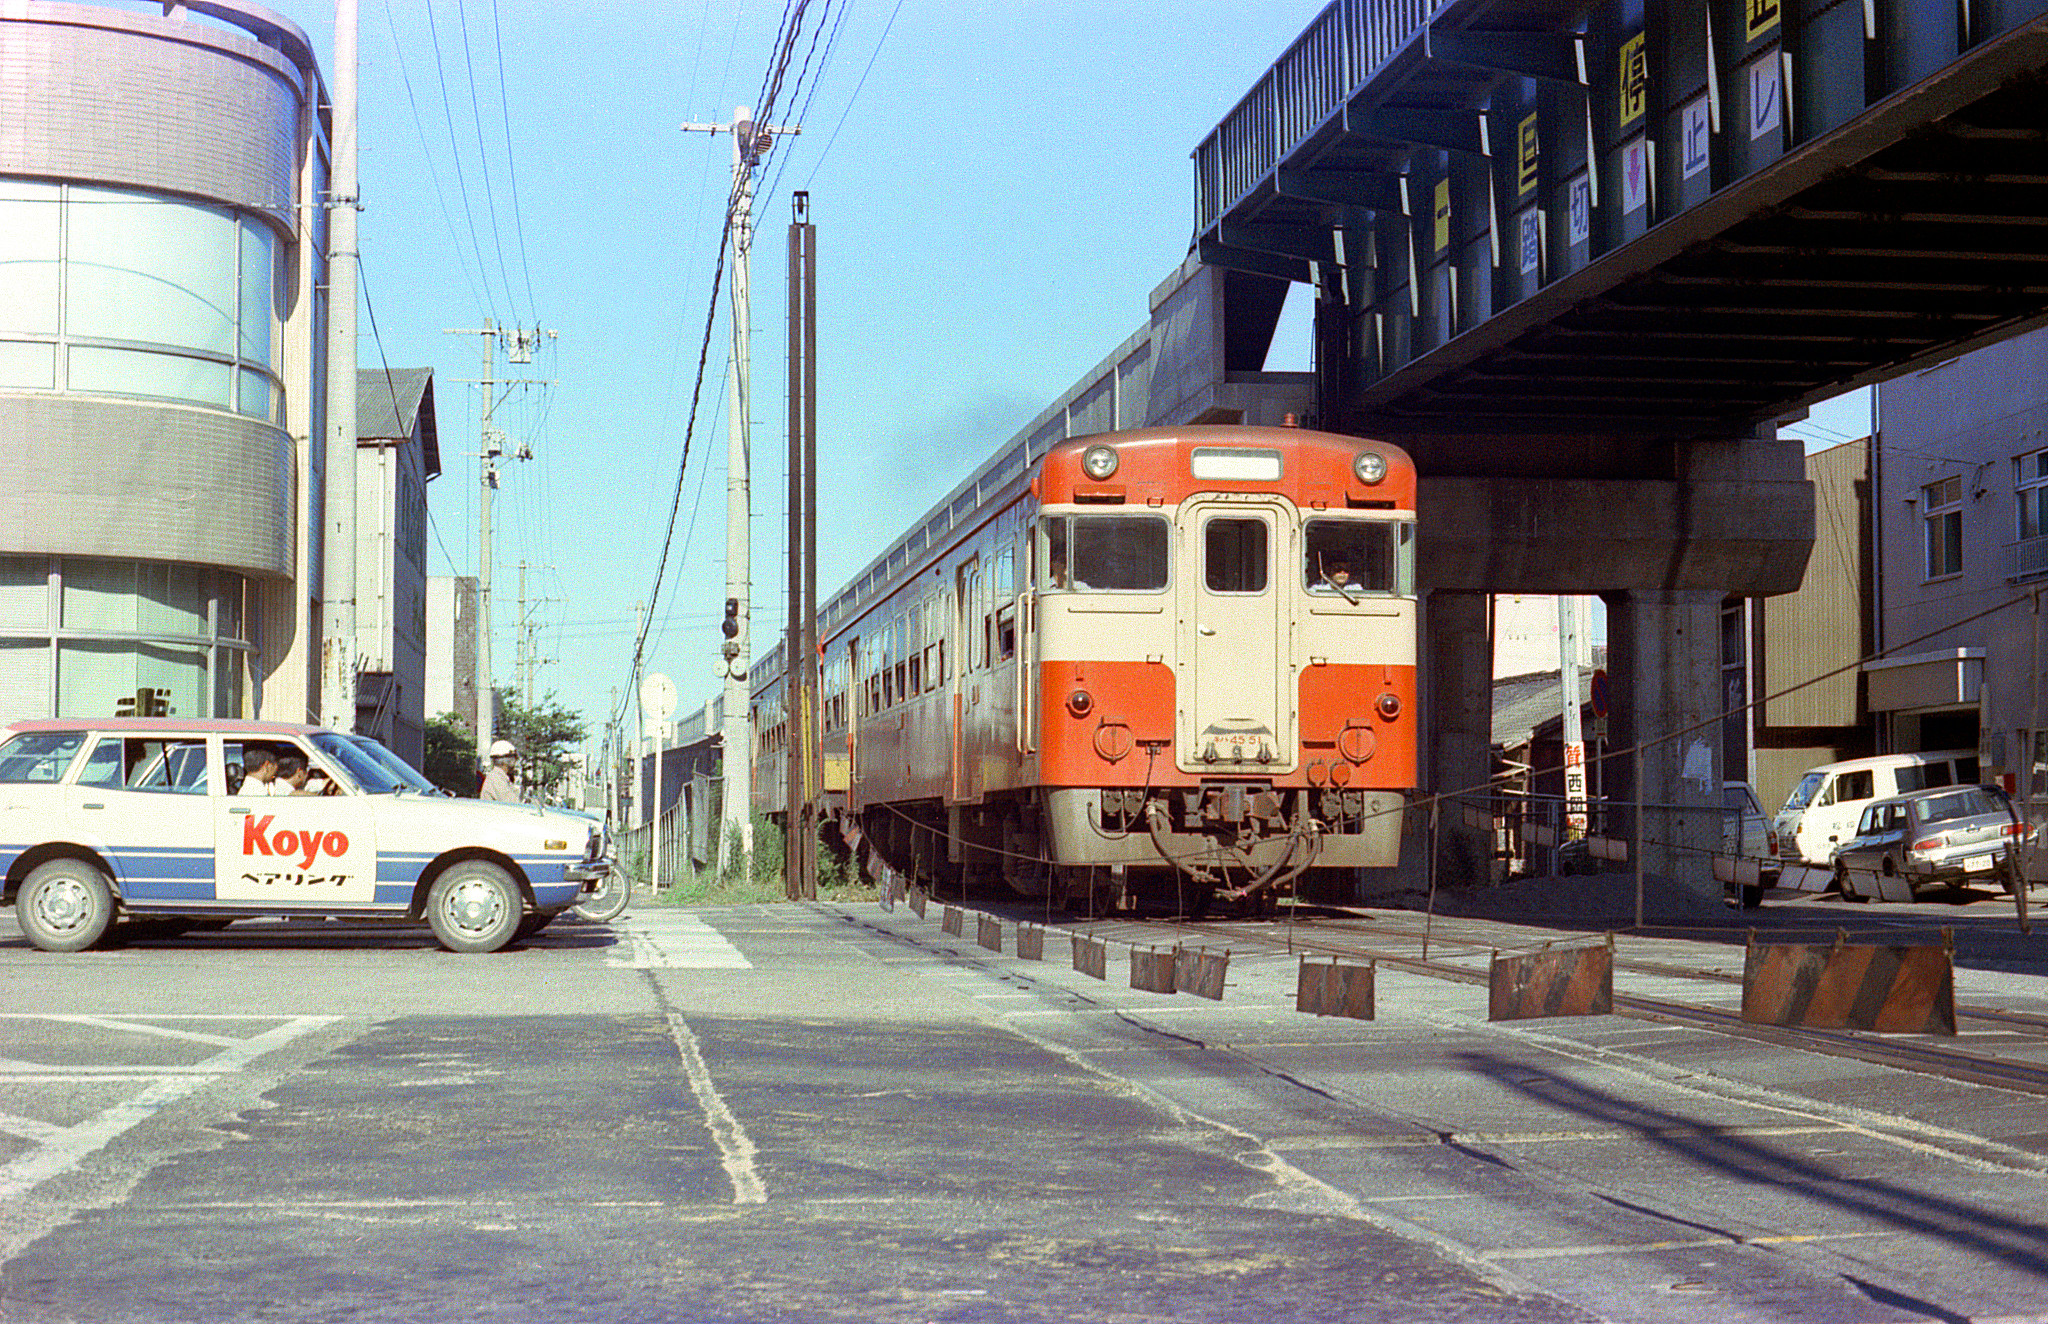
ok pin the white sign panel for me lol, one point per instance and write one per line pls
(1766, 96)
(1635, 174)
(1579, 226)
(1694, 148)
(298, 849)
(1531, 244)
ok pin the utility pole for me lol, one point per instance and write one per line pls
(749, 141)
(337, 693)
(1571, 733)
(519, 347)
(800, 649)
(529, 662)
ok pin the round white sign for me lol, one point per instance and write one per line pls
(658, 696)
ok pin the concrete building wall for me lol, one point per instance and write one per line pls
(449, 667)
(1959, 475)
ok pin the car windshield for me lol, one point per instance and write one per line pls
(407, 775)
(1802, 794)
(364, 771)
(40, 756)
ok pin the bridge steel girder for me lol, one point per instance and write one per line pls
(1881, 204)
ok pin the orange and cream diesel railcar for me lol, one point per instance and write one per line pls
(1169, 661)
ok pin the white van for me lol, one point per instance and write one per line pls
(1821, 812)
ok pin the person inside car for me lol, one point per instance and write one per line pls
(259, 768)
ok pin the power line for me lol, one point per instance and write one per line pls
(363, 280)
(483, 157)
(462, 183)
(512, 165)
(433, 172)
(875, 54)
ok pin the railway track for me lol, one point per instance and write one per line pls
(1470, 939)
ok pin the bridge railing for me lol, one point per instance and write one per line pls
(1334, 56)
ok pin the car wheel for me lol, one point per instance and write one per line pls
(474, 907)
(65, 906)
(1752, 896)
(1845, 886)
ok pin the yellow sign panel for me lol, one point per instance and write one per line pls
(1635, 79)
(1760, 16)
(1526, 151)
(1442, 215)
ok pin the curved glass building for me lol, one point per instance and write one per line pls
(162, 316)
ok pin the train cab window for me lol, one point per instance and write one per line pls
(1104, 553)
(1351, 556)
(1234, 555)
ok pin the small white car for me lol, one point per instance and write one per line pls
(117, 817)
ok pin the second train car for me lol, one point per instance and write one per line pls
(1159, 664)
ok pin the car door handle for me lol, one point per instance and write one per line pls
(99, 806)
(238, 809)
(1206, 629)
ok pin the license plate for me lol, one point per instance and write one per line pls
(1977, 862)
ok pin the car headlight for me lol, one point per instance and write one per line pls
(1370, 466)
(1099, 462)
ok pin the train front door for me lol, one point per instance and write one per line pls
(1232, 672)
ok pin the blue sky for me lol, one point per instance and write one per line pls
(997, 189)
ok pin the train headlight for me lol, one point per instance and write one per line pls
(1099, 462)
(1079, 702)
(1389, 705)
(1370, 466)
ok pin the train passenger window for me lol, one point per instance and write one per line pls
(1351, 556)
(1234, 555)
(1105, 553)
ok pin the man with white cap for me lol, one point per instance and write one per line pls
(498, 781)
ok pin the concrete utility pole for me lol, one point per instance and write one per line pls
(749, 141)
(519, 347)
(338, 501)
(1571, 733)
(800, 650)
(529, 659)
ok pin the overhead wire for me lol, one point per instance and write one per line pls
(512, 165)
(461, 180)
(483, 156)
(788, 32)
(433, 171)
(863, 82)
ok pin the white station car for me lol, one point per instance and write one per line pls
(108, 818)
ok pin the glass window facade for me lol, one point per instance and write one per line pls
(87, 637)
(119, 292)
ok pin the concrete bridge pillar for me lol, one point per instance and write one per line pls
(1459, 705)
(1663, 655)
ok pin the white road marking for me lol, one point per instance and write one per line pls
(735, 1147)
(678, 942)
(59, 1149)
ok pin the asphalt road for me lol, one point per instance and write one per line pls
(787, 1113)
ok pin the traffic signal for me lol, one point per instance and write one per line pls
(731, 625)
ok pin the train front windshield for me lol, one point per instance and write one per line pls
(1359, 556)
